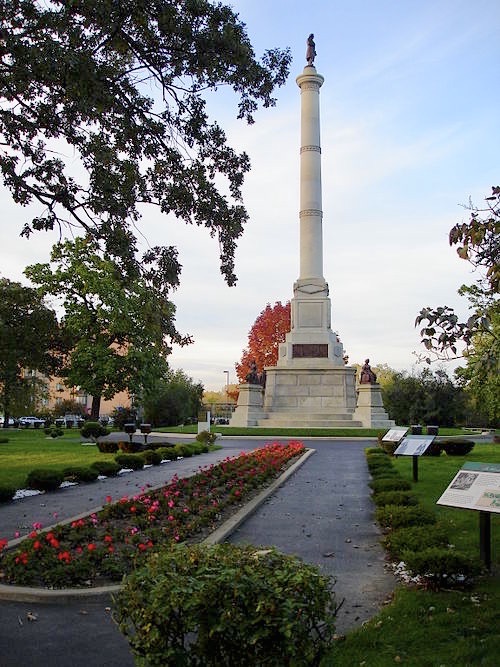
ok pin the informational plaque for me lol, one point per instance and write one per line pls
(414, 445)
(310, 350)
(475, 487)
(395, 434)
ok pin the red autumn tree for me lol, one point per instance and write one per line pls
(268, 331)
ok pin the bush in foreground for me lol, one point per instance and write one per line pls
(130, 461)
(415, 538)
(457, 447)
(226, 605)
(400, 516)
(80, 474)
(107, 468)
(441, 567)
(42, 479)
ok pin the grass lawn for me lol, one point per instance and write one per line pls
(27, 449)
(427, 629)
(299, 432)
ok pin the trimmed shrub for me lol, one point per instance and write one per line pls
(389, 484)
(389, 446)
(398, 516)
(133, 461)
(167, 453)
(130, 447)
(374, 451)
(80, 474)
(183, 450)
(107, 468)
(434, 449)
(107, 447)
(395, 498)
(6, 493)
(415, 538)
(151, 457)
(54, 431)
(43, 479)
(441, 567)
(93, 430)
(226, 605)
(457, 447)
(206, 437)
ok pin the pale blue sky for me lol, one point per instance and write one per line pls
(410, 129)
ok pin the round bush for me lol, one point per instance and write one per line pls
(6, 493)
(133, 461)
(80, 474)
(151, 457)
(167, 453)
(457, 447)
(206, 437)
(389, 446)
(415, 538)
(93, 430)
(107, 447)
(42, 479)
(130, 447)
(226, 605)
(389, 484)
(107, 468)
(440, 566)
(399, 516)
(395, 498)
(374, 451)
(183, 450)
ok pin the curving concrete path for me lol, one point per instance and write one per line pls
(323, 513)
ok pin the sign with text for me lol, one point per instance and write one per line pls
(395, 434)
(475, 487)
(414, 445)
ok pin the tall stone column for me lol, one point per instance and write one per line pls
(311, 213)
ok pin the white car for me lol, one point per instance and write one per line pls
(31, 421)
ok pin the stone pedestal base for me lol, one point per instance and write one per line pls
(370, 408)
(249, 409)
(310, 397)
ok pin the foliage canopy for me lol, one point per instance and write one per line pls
(103, 110)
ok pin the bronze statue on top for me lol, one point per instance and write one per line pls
(311, 50)
(367, 376)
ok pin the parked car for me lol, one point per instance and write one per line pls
(26, 422)
(11, 421)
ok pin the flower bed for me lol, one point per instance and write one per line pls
(104, 546)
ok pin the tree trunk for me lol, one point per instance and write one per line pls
(96, 408)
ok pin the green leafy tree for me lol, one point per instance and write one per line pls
(122, 87)
(478, 242)
(426, 397)
(29, 340)
(120, 324)
(174, 399)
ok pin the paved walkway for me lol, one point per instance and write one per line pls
(323, 514)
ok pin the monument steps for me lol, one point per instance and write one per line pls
(305, 421)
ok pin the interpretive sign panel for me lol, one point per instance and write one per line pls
(395, 434)
(414, 445)
(475, 487)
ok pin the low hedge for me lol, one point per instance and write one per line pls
(415, 538)
(457, 446)
(441, 567)
(80, 474)
(392, 483)
(398, 516)
(132, 461)
(107, 446)
(107, 468)
(395, 498)
(7, 493)
(151, 457)
(130, 447)
(43, 479)
(167, 453)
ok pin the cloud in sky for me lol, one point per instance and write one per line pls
(410, 130)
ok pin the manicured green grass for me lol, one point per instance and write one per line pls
(423, 628)
(30, 448)
(297, 432)
(426, 629)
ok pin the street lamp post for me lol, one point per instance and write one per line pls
(227, 387)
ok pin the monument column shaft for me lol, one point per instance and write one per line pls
(311, 214)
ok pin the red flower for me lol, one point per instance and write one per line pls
(64, 556)
(109, 499)
(37, 545)
(91, 547)
(108, 538)
(3, 543)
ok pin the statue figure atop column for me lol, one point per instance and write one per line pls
(310, 51)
